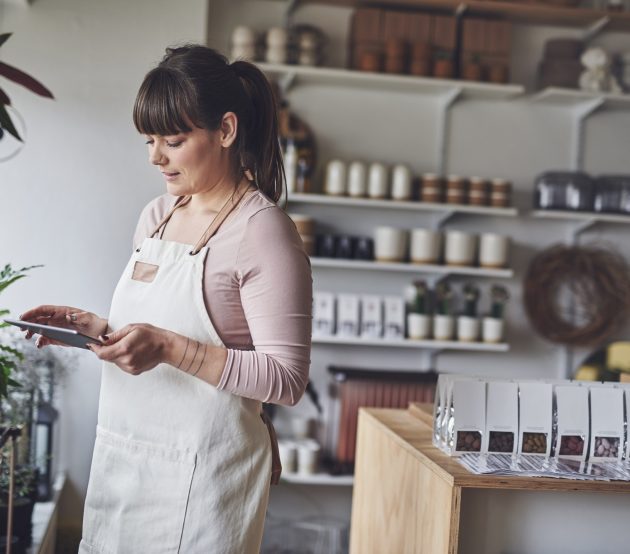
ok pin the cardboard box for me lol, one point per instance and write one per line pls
(572, 412)
(607, 424)
(501, 418)
(535, 418)
(323, 314)
(371, 316)
(348, 315)
(394, 326)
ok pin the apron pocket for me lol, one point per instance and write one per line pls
(137, 496)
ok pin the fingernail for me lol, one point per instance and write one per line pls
(104, 337)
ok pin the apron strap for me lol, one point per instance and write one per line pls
(276, 465)
(181, 201)
(226, 210)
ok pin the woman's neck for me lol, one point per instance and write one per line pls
(211, 201)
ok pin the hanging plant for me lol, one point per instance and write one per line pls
(17, 76)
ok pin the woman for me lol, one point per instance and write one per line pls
(183, 458)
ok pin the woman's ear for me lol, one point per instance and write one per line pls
(229, 129)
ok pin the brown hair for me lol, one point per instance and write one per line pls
(196, 85)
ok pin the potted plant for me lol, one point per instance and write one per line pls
(472, 70)
(468, 322)
(443, 322)
(493, 325)
(443, 65)
(418, 316)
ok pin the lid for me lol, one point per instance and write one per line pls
(430, 176)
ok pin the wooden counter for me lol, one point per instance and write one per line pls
(410, 497)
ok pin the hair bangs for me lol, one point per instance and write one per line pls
(164, 105)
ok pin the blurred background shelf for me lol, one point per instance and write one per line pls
(409, 343)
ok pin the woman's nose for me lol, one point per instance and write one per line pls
(156, 157)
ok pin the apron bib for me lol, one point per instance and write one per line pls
(178, 466)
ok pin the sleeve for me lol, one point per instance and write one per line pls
(150, 216)
(276, 288)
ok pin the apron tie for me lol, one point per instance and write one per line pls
(276, 465)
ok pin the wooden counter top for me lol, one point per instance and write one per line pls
(411, 429)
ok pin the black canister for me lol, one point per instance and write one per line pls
(326, 246)
(612, 194)
(564, 190)
(364, 249)
(345, 247)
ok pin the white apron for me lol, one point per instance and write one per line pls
(178, 466)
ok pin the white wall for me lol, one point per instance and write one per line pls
(71, 199)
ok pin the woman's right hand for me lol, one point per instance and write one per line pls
(67, 317)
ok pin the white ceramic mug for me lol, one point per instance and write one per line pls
(378, 187)
(288, 455)
(335, 183)
(390, 244)
(460, 248)
(401, 182)
(357, 179)
(467, 328)
(301, 427)
(493, 250)
(443, 327)
(425, 246)
(307, 457)
(418, 326)
(492, 329)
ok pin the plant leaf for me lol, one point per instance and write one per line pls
(18, 76)
(4, 98)
(4, 37)
(7, 124)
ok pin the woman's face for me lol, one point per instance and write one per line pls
(192, 163)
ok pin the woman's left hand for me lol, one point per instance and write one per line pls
(134, 348)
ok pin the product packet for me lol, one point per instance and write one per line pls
(572, 413)
(371, 316)
(607, 423)
(394, 317)
(348, 315)
(535, 418)
(468, 413)
(323, 314)
(501, 418)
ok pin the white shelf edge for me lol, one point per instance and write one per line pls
(572, 97)
(581, 216)
(333, 263)
(406, 83)
(302, 198)
(318, 479)
(409, 343)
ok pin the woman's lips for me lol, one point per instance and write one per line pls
(170, 176)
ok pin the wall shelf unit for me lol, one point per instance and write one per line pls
(592, 217)
(420, 344)
(566, 97)
(440, 270)
(318, 479)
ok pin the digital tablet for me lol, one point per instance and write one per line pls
(67, 336)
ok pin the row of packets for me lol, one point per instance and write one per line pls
(563, 419)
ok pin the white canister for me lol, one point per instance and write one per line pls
(443, 327)
(307, 457)
(276, 54)
(242, 52)
(390, 244)
(493, 250)
(467, 328)
(357, 180)
(425, 246)
(277, 37)
(492, 329)
(378, 187)
(460, 248)
(335, 183)
(301, 427)
(418, 326)
(243, 36)
(401, 182)
(288, 455)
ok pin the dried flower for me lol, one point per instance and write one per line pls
(499, 296)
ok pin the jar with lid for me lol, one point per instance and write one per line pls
(431, 190)
(478, 191)
(455, 190)
(500, 193)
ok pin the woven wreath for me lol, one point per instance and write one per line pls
(577, 295)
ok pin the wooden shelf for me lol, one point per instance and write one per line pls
(592, 217)
(566, 97)
(369, 203)
(444, 270)
(420, 344)
(318, 479)
(391, 83)
(517, 12)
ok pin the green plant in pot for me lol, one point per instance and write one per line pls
(443, 321)
(468, 322)
(418, 316)
(493, 323)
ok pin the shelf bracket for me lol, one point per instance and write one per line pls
(439, 221)
(582, 112)
(286, 82)
(578, 229)
(430, 359)
(292, 6)
(460, 10)
(445, 104)
(595, 28)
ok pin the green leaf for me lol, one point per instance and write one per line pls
(4, 37)
(18, 76)
(14, 383)
(13, 351)
(7, 124)
(4, 98)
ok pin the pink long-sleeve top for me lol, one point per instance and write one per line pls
(258, 292)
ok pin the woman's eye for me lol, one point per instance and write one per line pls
(149, 141)
(174, 144)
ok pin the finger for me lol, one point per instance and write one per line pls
(44, 311)
(118, 335)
